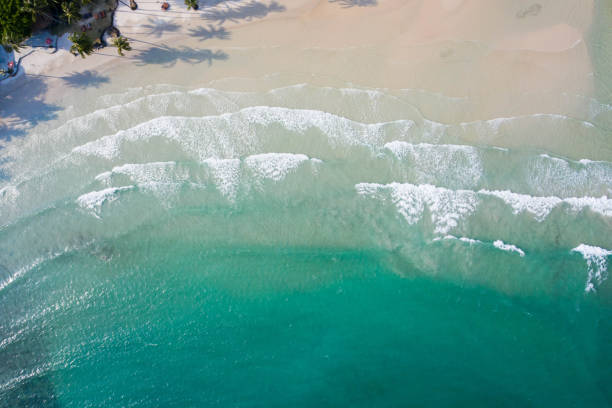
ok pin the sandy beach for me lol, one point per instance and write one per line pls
(521, 49)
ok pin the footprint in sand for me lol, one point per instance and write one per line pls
(532, 10)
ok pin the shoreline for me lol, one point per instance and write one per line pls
(433, 46)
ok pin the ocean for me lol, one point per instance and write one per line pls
(275, 242)
(302, 246)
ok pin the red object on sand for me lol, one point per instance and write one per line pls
(10, 64)
(165, 6)
(48, 41)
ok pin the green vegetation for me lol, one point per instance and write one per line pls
(81, 44)
(70, 11)
(18, 17)
(191, 4)
(122, 44)
(15, 23)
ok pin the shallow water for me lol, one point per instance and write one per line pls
(258, 243)
(301, 246)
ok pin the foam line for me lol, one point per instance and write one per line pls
(597, 265)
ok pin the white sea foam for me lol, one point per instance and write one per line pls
(274, 166)
(597, 265)
(226, 173)
(546, 156)
(499, 244)
(564, 177)
(95, 199)
(142, 173)
(236, 134)
(104, 177)
(446, 206)
(470, 240)
(9, 194)
(466, 240)
(540, 207)
(162, 179)
(456, 165)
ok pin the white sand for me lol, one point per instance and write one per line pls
(495, 52)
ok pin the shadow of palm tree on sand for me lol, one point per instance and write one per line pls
(204, 33)
(157, 27)
(85, 79)
(23, 108)
(168, 57)
(355, 3)
(244, 11)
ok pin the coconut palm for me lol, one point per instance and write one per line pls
(34, 7)
(70, 9)
(192, 4)
(81, 44)
(15, 23)
(122, 44)
(11, 42)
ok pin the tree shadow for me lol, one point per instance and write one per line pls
(204, 33)
(157, 27)
(246, 11)
(22, 107)
(355, 3)
(85, 79)
(168, 57)
(212, 3)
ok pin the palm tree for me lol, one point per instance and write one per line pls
(81, 44)
(34, 7)
(70, 9)
(191, 4)
(121, 43)
(15, 23)
(11, 42)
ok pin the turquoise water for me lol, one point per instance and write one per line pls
(305, 246)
